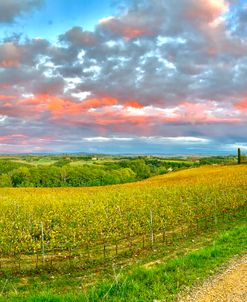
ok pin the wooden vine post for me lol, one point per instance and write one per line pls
(151, 225)
(42, 244)
(239, 156)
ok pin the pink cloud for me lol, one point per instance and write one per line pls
(133, 104)
(185, 112)
(25, 140)
(108, 110)
(125, 28)
(58, 106)
(12, 138)
(7, 97)
(9, 56)
(207, 112)
(206, 10)
(241, 105)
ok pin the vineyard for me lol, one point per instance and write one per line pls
(59, 226)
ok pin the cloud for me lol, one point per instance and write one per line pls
(241, 105)
(77, 37)
(148, 139)
(235, 146)
(129, 27)
(139, 74)
(3, 118)
(101, 139)
(6, 97)
(11, 9)
(9, 55)
(177, 139)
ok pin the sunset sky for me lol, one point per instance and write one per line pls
(148, 76)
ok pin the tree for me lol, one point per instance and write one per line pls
(5, 180)
(21, 177)
(139, 167)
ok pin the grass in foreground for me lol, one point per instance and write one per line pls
(162, 282)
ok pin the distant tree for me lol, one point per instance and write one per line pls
(50, 176)
(140, 168)
(64, 175)
(28, 171)
(5, 180)
(126, 175)
(21, 177)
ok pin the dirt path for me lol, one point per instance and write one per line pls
(227, 286)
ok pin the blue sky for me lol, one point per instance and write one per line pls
(123, 77)
(57, 16)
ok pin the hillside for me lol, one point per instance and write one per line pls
(62, 230)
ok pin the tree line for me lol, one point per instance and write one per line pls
(62, 174)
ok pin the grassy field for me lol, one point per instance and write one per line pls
(77, 239)
(42, 161)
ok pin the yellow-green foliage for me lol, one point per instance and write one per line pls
(73, 217)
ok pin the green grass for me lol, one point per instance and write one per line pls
(41, 161)
(136, 283)
(164, 281)
(178, 161)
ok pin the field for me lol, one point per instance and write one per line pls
(71, 229)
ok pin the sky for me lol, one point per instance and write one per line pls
(130, 76)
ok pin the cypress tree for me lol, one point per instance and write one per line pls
(239, 156)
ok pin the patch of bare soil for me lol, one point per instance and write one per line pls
(227, 286)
